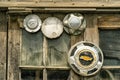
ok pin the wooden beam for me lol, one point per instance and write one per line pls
(42, 67)
(60, 9)
(3, 46)
(32, 67)
(109, 21)
(97, 4)
(91, 32)
(74, 40)
(37, 76)
(111, 67)
(44, 74)
(60, 67)
(14, 37)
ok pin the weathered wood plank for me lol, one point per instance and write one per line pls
(91, 34)
(45, 57)
(42, 67)
(14, 37)
(37, 76)
(78, 38)
(87, 4)
(61, 0)
(74, 40)
(110, 67)
(63, 9)
(45, 74)
(3, 47)
(109, 21)
(46, 0)
(90, 0)
(45, 51)
(59, 68)
(25, 0)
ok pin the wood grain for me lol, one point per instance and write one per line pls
(80, 4)
(110, 21)
(91, 35)
(14, 37)
(45, 74)
(37, 75)
(3, 47)
(40, 53)
(74, 40)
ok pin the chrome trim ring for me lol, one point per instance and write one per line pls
(85, 58)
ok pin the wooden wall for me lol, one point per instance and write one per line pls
(45, 56)
(23, 52)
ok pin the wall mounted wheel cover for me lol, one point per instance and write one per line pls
(75, 23)
(32, 23)
(85, 58)
(52, 27)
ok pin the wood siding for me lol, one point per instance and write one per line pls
(3, 45)
(46, 57)
(14, 37)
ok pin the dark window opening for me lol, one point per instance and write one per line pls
(31, 75)
(58, 75)
(110, 45)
